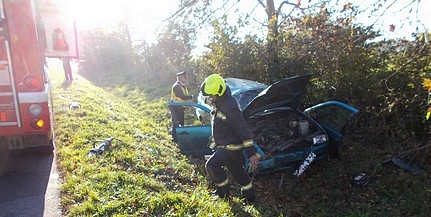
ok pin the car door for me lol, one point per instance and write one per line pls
(193, 137)
(334, 117)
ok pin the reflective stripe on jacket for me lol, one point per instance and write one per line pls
(229, 129)
(179, 92)
(236, 147)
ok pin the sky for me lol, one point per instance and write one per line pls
(147, 17)
(404, 23)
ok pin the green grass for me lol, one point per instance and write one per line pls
(143, 174)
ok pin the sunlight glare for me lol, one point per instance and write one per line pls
(94, 13)
(144, 18)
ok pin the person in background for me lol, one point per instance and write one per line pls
(231, 139)
(179, 93)
(67, 69)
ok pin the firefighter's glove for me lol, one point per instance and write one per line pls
(254, 161)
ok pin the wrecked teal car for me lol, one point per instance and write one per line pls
(285, 136)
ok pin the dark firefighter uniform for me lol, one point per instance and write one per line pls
(179, 93)
(230, 137)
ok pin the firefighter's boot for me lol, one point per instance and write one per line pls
(249, 195)
(222, 192)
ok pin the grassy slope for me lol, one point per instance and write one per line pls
(143, 174)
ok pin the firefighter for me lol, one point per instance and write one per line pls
(230, 140)
(179, 93)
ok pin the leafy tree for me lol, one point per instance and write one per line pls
(407, 63)
(233, 56)
(334, 50)
(108, 53)
(171, 54)
(206, 11)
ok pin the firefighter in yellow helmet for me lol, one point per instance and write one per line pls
(179, 93)
(231, 139)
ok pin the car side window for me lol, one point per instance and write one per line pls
(203, 117)
(332, 116)
(190, 118)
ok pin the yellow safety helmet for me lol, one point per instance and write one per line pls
(213, 85)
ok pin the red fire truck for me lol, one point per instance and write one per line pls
(30, 32)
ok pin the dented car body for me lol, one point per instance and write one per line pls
(285, 136)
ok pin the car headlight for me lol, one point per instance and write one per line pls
(319, 139)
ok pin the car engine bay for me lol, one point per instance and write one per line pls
(283, 130)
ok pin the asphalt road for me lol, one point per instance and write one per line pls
(29, 186)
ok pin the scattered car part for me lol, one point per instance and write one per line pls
(407, 165)
(361, 180)
(104, 145)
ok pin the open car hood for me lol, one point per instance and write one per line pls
(284, 93)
